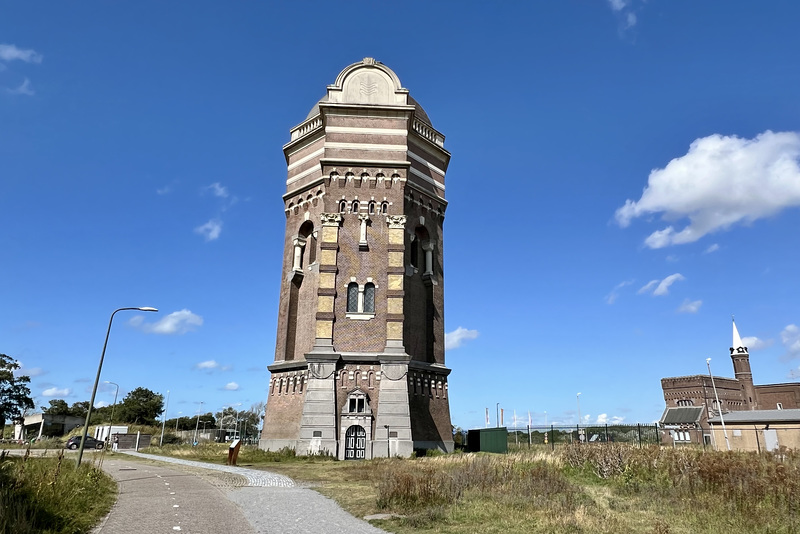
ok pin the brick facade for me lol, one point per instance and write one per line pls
(360, 344)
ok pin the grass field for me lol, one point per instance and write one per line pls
(610, 488)
(52, 495)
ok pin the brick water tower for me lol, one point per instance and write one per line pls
(359, 368)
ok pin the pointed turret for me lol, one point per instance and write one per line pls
(741, 369)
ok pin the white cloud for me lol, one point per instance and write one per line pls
(713, 248)
(690, 306)
(218, 190)
(721, 181)
(179, 322)
(790, 337)
(210, 230)
(163, 190)
(208, 364)
(612, 297)
(754, 343)
(454, 339)
(23, 89)
(101, 404)
(28, 371)
(11, 53)
(617, 5)
(661, 286)
(231, 386)
(56, 392)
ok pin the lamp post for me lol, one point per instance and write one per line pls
(197, 425)
(719, 406)
(388, 442)
(177, 420)
(578, 396)
(111, 421)
(97, 378)
(497, 415)
(164, 421)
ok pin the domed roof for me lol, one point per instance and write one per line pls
(369, 82)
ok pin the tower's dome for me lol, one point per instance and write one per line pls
(369, 82)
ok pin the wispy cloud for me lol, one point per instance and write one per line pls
(612, 297)
(722, 181)
(231, 386)
(23, 89)
(454, 339)
(210, 230)
(28, 371)
(218, 190)
(690, 306)
(790, 337)
(179, 322)
(9, 52)
(661, 286)
(208, 364)
(712, 248)
(754, 343)
(56, 392)
(623, 10)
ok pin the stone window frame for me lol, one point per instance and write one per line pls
(361, 313)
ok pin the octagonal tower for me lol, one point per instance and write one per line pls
(359, 369)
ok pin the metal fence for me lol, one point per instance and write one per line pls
(556, 435)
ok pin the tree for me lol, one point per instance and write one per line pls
(79, 409)
(57, 407)
(15, 395)
(141, 406)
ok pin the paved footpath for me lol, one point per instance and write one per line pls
(200, 498)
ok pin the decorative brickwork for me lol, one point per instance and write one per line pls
(359, 364)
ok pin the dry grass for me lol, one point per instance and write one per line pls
(598, 489)
(52, 496)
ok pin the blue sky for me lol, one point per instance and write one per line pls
(624, 178)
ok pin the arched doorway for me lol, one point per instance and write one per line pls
(355, 443)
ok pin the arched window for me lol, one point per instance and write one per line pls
(385, 208)
(342, 206)
(355, 206)
(371, 209)
(369, 298)
(352, 297)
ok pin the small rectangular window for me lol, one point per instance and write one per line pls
(318, 433)
(360, 405)
(352, 405)
(780, 406)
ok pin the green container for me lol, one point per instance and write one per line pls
(487, 440)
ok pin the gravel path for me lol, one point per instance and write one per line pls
(270, 503)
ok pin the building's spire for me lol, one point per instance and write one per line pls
(737, 346)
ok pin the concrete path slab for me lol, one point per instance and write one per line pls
(212, 498)
(153, 498)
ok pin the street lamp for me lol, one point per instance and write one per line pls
(197, 425)
(97, 378)
(177, 420)
(719, 406)
(578, 396)
(111, 422)
(164, 420)
(388, 442)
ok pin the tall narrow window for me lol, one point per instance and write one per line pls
(342, 206)
(355, 206)
(371, 209)
(385, 208)
(369, 298)
(352, 297)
